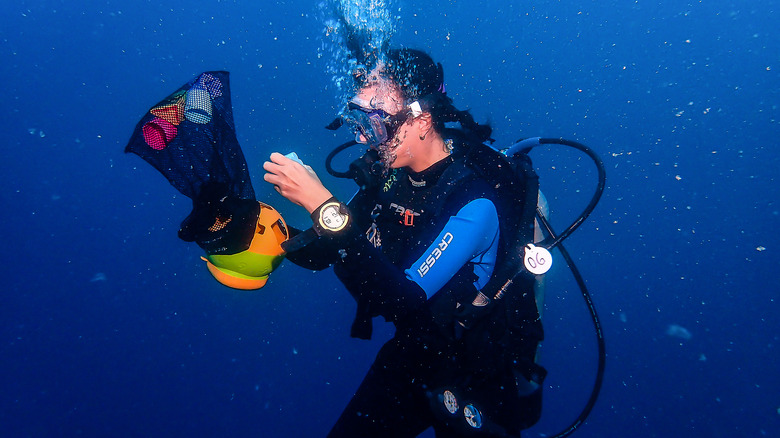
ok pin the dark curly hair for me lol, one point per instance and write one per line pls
(421, 79)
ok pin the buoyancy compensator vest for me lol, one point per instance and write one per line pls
(508, 291)
(492, 347)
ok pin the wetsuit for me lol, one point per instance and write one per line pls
(419, 248)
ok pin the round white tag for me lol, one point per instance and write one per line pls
(537, 260)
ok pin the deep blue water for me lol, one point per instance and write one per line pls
(111, 326)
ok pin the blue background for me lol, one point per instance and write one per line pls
(111, 326)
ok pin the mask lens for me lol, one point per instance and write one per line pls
(369, 126)
(378, 127)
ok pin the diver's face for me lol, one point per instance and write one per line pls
(381, 93)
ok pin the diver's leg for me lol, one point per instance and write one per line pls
(387, 403)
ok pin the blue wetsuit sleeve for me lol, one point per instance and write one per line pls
(469, 236)
(381, 288)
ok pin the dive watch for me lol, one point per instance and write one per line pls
(330, 217)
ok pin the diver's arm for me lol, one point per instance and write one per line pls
(299, 184)
(375, 282)
(392, 292)
(315, 255)
(470, 235)
(322, 252)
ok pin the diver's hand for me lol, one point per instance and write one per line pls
(295, 181)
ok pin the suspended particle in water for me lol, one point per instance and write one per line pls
(678, 331)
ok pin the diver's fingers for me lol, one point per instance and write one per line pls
(285, 175)
(278, 158)
(272, 167)
(276, 162)
(281, 177)
(284, 160)
(282, 165)
(272, 178)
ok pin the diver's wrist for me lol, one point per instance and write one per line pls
(330, 217)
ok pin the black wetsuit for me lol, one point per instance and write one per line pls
(385, 260)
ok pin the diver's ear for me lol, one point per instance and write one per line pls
(423, 124)
(424, 121)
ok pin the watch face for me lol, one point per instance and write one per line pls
(331, 218)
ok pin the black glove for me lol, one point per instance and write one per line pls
(220, 223)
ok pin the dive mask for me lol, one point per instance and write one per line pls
(372, 126)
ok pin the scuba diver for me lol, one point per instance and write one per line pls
(428, 242)
(439, 240)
